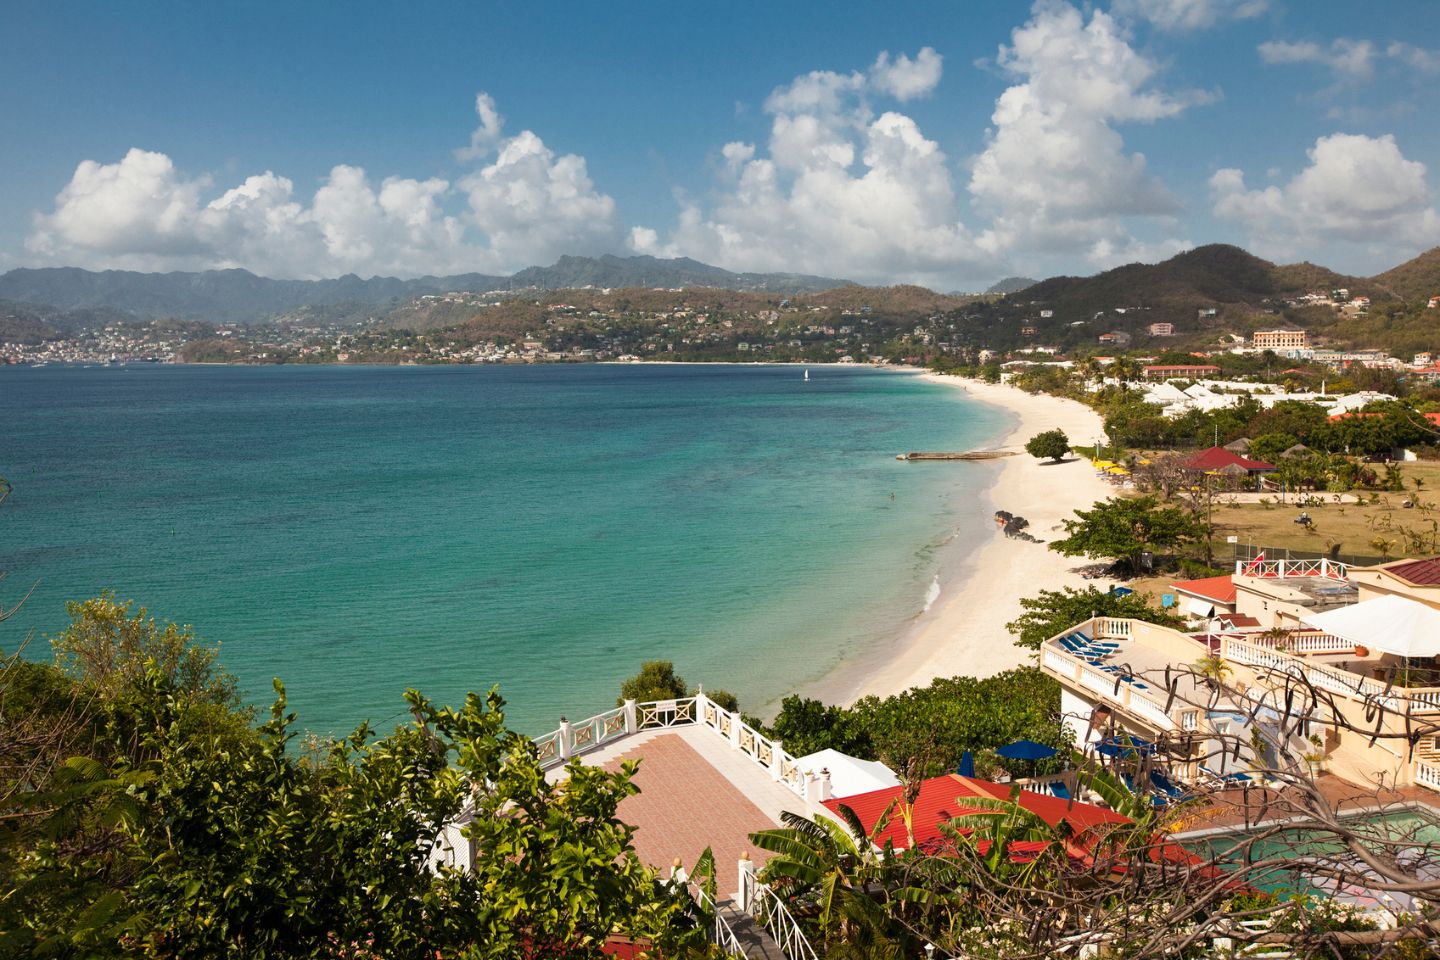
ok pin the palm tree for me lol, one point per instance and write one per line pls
(1213, 668)
(833, 868)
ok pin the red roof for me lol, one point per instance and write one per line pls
(1420, 573)
(1217, 589)
(936, 805)
(1218, 457)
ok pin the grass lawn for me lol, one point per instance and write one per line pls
(1354, 527)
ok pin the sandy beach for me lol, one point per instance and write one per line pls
(964, 633)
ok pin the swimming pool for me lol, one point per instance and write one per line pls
(1411, 827)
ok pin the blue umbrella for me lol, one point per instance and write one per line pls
(967, 764)
(1026, 750)
(1124, 746)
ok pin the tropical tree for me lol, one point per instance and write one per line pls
(1052, 445)
(1122, 528)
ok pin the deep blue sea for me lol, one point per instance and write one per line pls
(359, 530)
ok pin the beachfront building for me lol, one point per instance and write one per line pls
(1353, 649)
(1186, 371)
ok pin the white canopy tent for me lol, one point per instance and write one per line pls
(1389, 624)
(849, 775)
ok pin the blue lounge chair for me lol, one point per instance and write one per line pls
(1058, 789)
(1167, 789)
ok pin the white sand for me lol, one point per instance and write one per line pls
(964, 633)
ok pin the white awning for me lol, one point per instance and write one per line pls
(849, 775)
(1389, 624)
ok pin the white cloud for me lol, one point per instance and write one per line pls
(1055, 175)
(525, 206)
(1416, 58)
(837, 190)
(485, 136)
(1179, 15)
(1357, 191)
(905, 79)
(1346, 58)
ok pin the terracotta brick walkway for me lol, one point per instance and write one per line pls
(685, 805)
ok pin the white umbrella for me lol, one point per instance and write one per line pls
(1390, 624)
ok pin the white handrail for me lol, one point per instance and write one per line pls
(558, 746)
(770, 911)
(720, 933)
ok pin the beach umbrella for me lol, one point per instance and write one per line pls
(1026, 750)
(967, 764)
(1125, 746)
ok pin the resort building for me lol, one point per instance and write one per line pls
(1279, 340)
(1312, 648)
(1161, 329)
(1188, 371)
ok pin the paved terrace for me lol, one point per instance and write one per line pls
(696, 791)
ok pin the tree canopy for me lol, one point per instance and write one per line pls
(1122, 528)
(1052, 445)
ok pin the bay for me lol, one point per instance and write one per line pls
(360, 530)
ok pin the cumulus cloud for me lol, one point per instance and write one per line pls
(1055, 175)
(837, 190)
(1180, 15)
(1358, 191)
(525, 205)
(905, 79)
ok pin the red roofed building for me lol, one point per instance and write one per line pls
(1415, 578)
(936, 805)
(1218, 458)
(1208, 597)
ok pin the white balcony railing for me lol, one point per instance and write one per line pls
(1330, 569)
(1108, 685)
(1427, 775)
(573, 739)
(1411, 700)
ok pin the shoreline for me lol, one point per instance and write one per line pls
(964, 633)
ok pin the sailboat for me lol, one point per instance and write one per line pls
(807, 376)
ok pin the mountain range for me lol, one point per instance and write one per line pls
(239, 296)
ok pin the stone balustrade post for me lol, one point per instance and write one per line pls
(777, 759)
(826, 790)
(745, 893)
(632, 720)
(735, 722)
(700, 701)
(564, 744)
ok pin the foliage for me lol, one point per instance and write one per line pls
(1122, 528)
(1052, 444)
(656, 680)
(1052, 612)
(923, 731)
(107, 648)
(168, 834)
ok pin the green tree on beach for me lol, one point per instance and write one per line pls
(1051, 445)
(1122, 528)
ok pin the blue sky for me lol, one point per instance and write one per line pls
(944, 143)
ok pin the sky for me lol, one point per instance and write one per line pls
(942, 143)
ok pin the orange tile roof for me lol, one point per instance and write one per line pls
(1218, 589)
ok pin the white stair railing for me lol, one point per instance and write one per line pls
(770, 912)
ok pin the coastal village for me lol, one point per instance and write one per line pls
(1202, 635)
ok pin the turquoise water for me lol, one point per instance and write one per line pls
(1407, 827)
(357, 531)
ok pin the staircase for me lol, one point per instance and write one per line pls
(750, 937)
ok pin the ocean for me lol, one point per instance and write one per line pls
(359, 530)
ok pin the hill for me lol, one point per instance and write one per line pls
(1010, 285)
(1415, 279)
(239, 296)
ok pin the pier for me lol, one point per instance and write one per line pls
(965, 455)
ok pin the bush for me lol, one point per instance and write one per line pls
(1052, 445)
